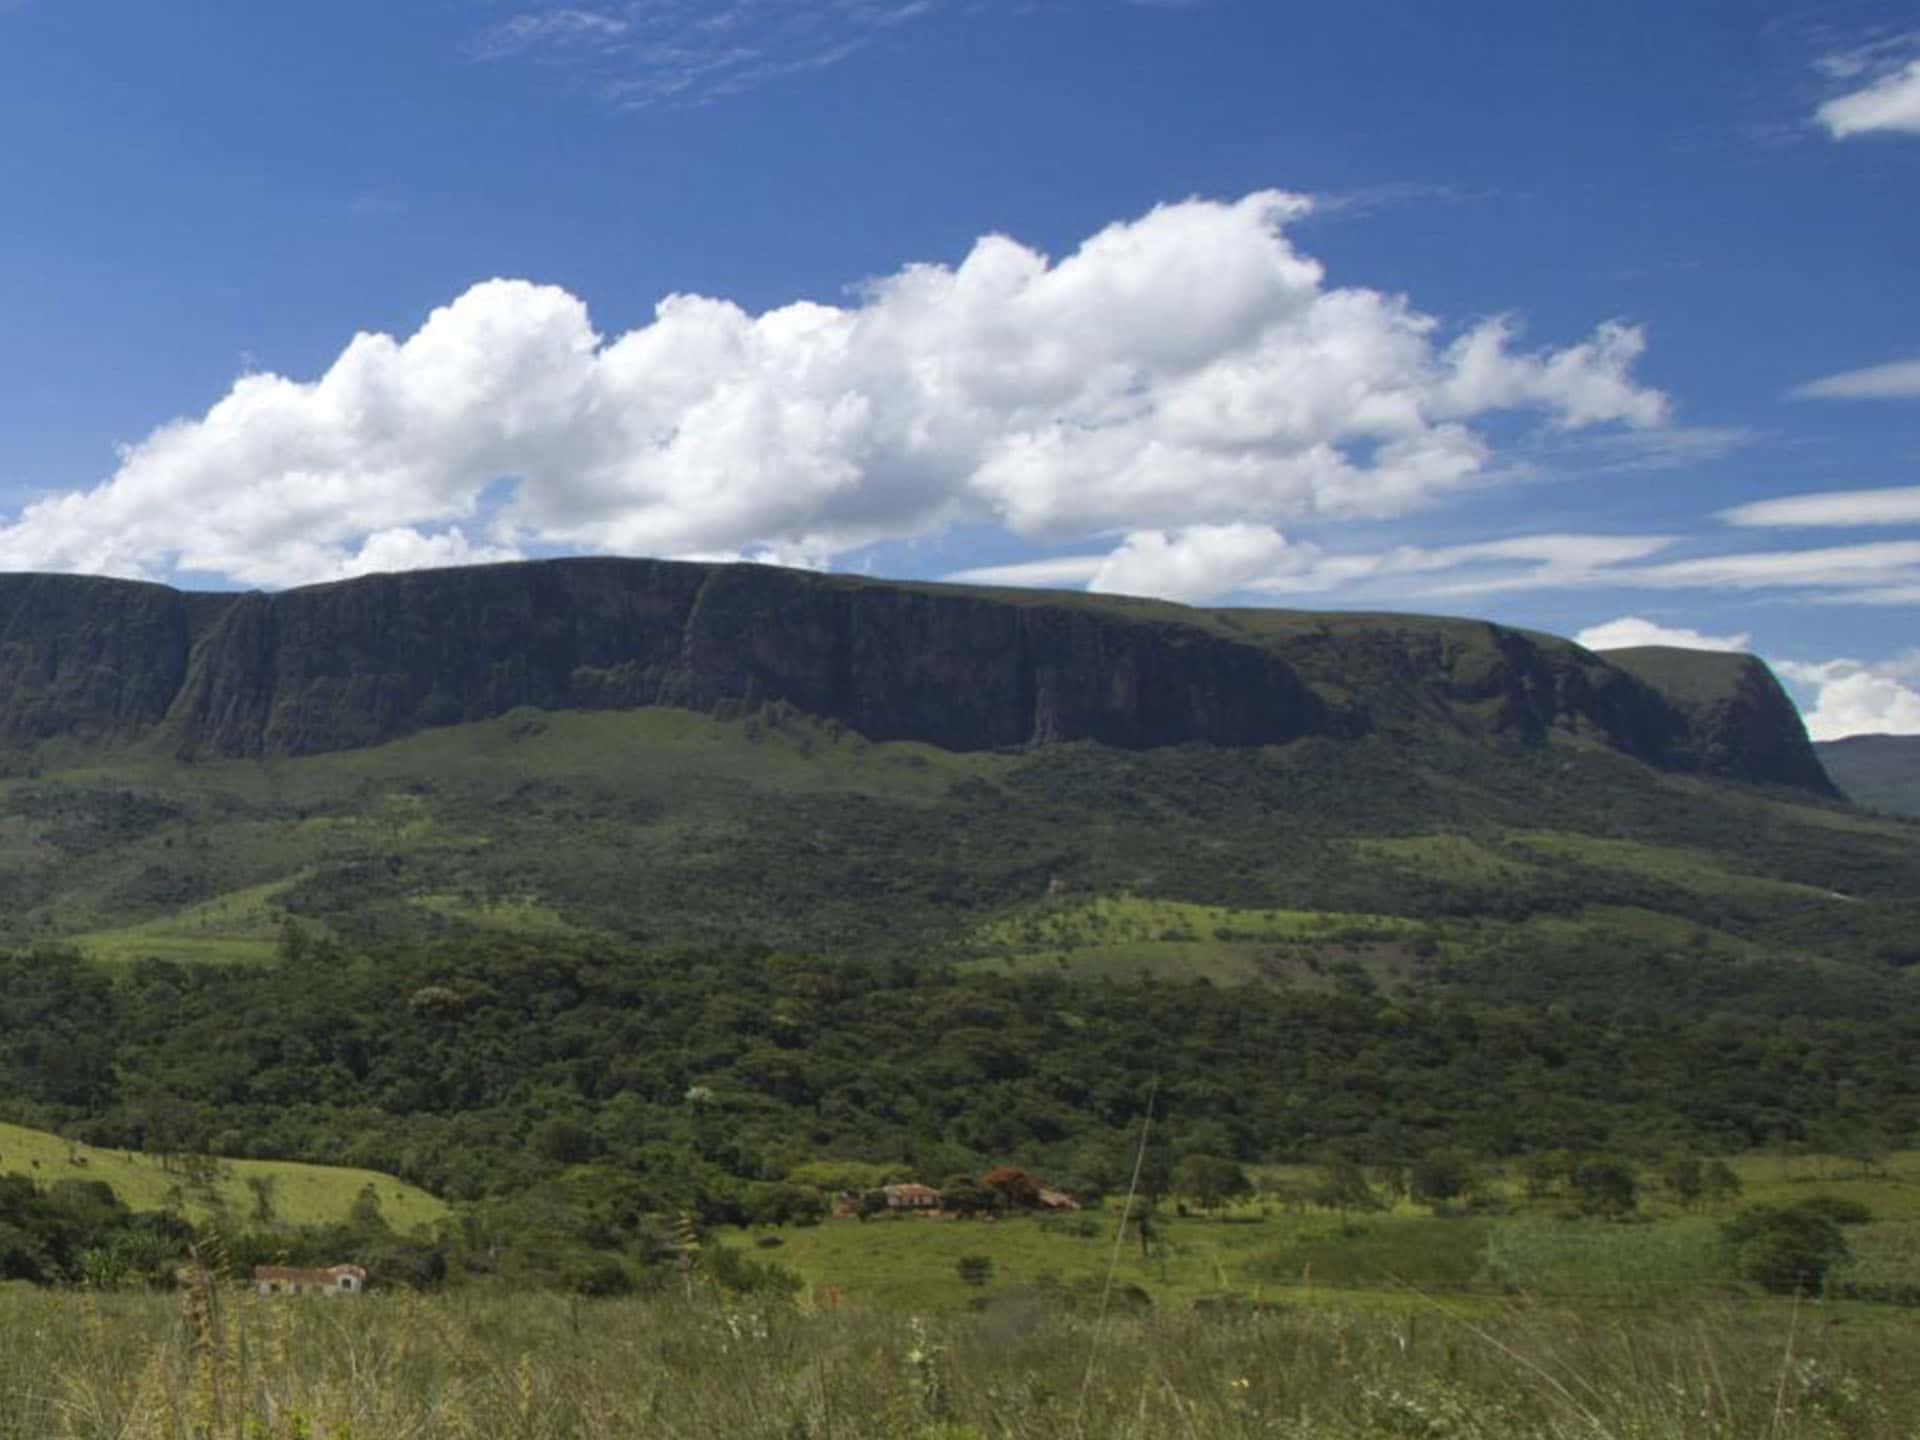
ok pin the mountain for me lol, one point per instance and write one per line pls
(1881, 772)
(590, 889)
(734, 754)
(365, 661)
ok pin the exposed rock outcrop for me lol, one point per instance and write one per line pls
(334, 666)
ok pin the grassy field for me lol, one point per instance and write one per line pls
(213, 1364)
(302, 1194)
(1673, 864)
(1268, 1319)
(240, 927)
(1279, 1250)
(1121, 936)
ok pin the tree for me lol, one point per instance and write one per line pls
(1391, 1178)
(1785, 1251)
(1016, 1188)
(262, 1188)
(1439, 1177)
(1212, 1180)
(975, 1270)
(1606, 1186)
(1544, 1172)
(1141, 1213)
(563, 1141)
(364, 1216)
(1684, 1178)
(1343, 1186)
(1719, 1184)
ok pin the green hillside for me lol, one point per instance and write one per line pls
(774, 827)
(676, 753)
(296, 1194)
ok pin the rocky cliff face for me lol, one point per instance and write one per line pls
(334, 666)
(1737, 721)
(350, 664)
(92, 658)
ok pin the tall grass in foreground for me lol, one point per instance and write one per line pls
(218, 1363)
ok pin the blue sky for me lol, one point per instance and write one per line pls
(1599, 319)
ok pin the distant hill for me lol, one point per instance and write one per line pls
(1881, 772)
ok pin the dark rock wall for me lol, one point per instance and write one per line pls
(333, 666)
(350, 664)
(87, 657)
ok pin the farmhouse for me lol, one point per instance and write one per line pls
(334, 1280)
(911, 1197)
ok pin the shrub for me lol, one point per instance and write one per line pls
(1719, 1184)
(1440, 1176)
(1785, 1251)
(1016, 1188)
(1606, 1185)
(1211, 1180)
(734, 1270)
(963, 1197)
(1343, 1186)
(1837, 1208)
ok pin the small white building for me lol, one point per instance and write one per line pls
(285, 1280)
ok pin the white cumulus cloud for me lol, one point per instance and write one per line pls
(1186, 375)
(1200, 562)
(1631, 631)
(1850, 697)
(1837, 697)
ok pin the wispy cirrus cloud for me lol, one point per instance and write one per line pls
(1875, 573)
(1207, 562)
(554, 29)
(1888, 102)
(1632, 452)
(1897, 380)
(1894, 505)
(1363, 200)
(1198, 563)
(650, 52)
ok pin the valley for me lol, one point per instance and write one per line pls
(577, 995)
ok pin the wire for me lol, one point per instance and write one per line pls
(1113, 1265)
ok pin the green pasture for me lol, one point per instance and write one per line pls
(1279, 1249)
(1125, 935)
(1452, 856)
(1688, 868)
(239, 927)
(300, 1194)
